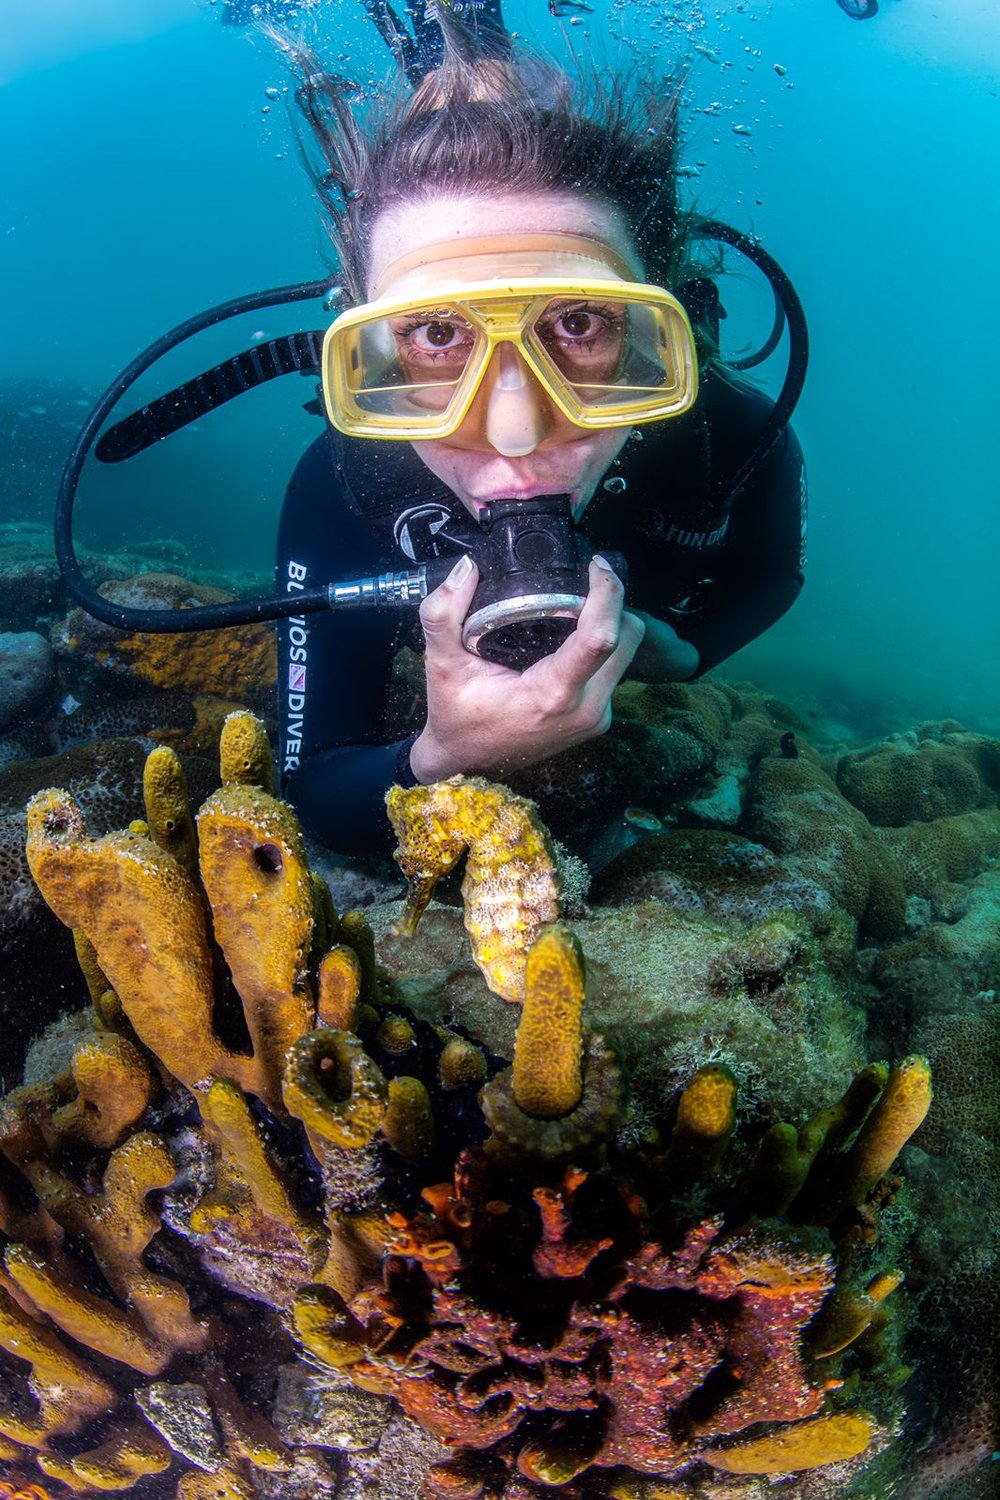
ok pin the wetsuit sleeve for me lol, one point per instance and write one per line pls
(762, 565)
(334, 670)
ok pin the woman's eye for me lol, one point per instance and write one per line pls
(580, 324)
(437, 335)
(576, 325)
(433, 339)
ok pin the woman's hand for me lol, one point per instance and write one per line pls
(663, 655)
(485, 717)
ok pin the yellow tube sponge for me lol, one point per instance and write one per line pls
(334, 1088)
(253, 867)
(510, 889)
(146, 922)
(408, 1122)
(898, 1113)
(706, 1118)
(118, 1223)
(168, 817)
(848, 1313)
(245, 753)
(248, 1183)
(515, 1133)
(94, 976)
(114, 1085)
(461, 1065)
(67, 1392)
(90, 1320)
(339, 988)
(118, 1464)
(356, 933)
(804, 1445)
(327, 1328)
(786, 1154)
(325, 924)
(547, 1077)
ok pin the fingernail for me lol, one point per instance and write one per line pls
(602, 562)
(459, 572)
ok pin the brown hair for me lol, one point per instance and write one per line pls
(481, 121)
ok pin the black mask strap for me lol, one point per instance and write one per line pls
(294, 353)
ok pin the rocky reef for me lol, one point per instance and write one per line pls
(81, 705)
(302, 1206)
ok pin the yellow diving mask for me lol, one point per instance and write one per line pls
(607, 352)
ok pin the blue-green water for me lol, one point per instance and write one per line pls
(147, 175)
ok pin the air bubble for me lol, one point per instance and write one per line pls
(616, 485)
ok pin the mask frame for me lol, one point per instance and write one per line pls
(300, 353)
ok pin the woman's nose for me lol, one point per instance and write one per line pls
(516, 409)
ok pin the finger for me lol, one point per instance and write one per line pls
(443, 611)
(594, 709)
(596, 636)
(611, 672)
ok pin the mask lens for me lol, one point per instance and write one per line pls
(611, 352)
(411, 362)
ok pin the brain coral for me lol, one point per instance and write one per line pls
(662, 738)
(707, 869)
(796, 810)
(934, 855)
(221, 1200)
(936, 772)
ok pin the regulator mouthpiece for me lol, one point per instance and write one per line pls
(533, 566)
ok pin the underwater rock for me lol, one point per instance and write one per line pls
(936, 771)
(935, 856)
(236, 664)
(152, 716)
(33, 587)
(956, 1248)
(670, 992)
(27, 670)
(707, 870)
(759, 727)
(663, 737)
(946, 959)
(545, 1321)
(798, 812)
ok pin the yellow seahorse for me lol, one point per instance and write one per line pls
(510, 888)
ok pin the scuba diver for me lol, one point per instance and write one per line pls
(531, 431)
(508, 256)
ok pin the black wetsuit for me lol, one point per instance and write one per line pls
(720, 568)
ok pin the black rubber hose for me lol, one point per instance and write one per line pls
(202, 617)
(767, 348)
(798, 359)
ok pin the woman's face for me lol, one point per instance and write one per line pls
(514, 443)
